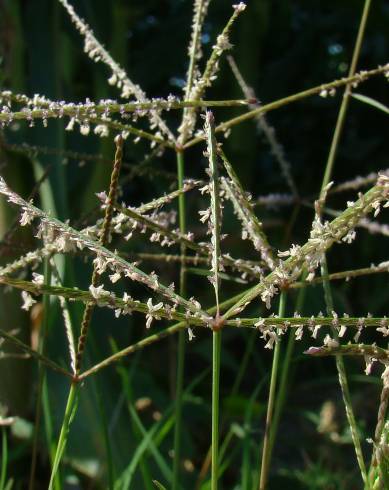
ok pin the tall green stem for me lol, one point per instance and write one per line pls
(324, 270)
(181, 334)
(216, 348)
(343, 380)
(266, 450)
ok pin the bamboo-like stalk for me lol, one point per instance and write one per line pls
(266, 448)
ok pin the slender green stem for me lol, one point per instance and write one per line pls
(181, 334)
(266, 450)
(216, 348)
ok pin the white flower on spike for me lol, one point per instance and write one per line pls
(115, 277)
(70, 125)
(240, 7)
(38, 279)
(205, 215)
(26, 217)
(260, 323)
(98, 292)
(330, 342)
(349, 237)
(267, 295)
(271, 338)
(383, 328)
(101, 130)
(152, 310)
(369, 364)
(28, 301)
(191, 334)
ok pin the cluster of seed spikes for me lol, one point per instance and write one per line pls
(272, 272)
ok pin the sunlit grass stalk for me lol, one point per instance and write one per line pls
(266, 448)
(181, 335)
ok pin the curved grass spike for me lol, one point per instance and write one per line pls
(71, 406)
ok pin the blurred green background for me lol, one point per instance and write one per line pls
(281, 47)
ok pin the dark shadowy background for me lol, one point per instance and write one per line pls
(281, 47)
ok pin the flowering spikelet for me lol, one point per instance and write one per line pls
(215, 215)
